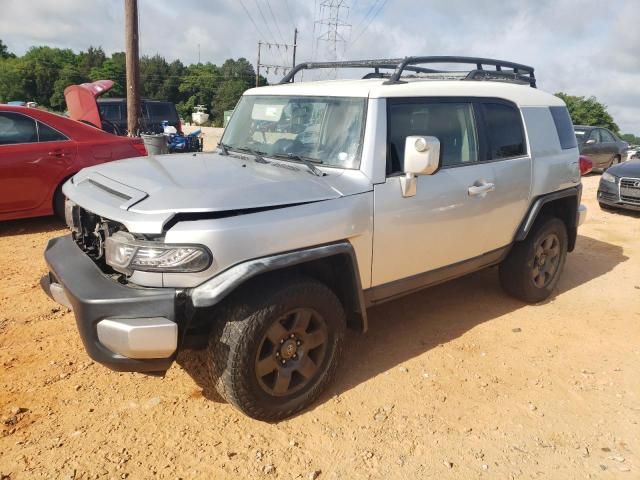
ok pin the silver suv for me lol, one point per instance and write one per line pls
(324, 199)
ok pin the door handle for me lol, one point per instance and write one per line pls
(56, 153)
(475, 190)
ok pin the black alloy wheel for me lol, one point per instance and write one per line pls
(546, 260)
(291, 352)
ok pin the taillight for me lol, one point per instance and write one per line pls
(138, 144)
(586, 164)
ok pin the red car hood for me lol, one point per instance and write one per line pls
(81, 101)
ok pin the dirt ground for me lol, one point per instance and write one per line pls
(458, 381)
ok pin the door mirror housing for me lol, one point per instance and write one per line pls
(591, 141)
(421, 157)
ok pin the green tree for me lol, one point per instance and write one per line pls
(227, 95)
(197, 87)
(12, 80)
(630, 138)
(94, 57)
(4, 51)
(42, 67)
(69, 75)
(588, 111)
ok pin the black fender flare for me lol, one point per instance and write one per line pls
(214, 290)
(538, 204)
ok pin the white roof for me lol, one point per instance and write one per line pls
(521, 95)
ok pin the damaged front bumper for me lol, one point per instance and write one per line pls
(123, 327)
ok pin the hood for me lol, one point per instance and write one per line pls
(81, 101)
(210, 182)
(626, 169)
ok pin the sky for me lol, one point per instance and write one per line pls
(581, 47)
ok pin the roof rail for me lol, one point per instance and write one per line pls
(515, 72)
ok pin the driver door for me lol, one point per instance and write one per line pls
(465, 213)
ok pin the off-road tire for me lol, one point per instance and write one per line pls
(517, 270)
(240, 326)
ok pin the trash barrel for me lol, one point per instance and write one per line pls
(155, 144)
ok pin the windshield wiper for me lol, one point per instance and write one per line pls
(257, 155)
(304, 160)
(224, 148)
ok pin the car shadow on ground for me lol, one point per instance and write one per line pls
(410, 326)
(26, 226)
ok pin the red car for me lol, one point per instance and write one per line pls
(39, 151)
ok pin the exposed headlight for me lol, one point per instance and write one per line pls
(607, 177)
(125, 254)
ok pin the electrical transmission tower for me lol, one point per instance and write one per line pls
(332, 28)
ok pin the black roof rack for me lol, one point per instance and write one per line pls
(515, 72)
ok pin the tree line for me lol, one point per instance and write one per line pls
(42, 74)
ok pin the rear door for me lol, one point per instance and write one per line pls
(590, 144)
(34, 158)
(608, 145)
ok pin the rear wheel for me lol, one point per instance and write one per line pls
(533, 267)
(275, 347)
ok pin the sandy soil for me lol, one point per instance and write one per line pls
(458, 381)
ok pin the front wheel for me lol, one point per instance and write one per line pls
(58, 203)
(276, 346)
(533, 267)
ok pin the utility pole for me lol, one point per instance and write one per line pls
(286, 46)
(258, 65)
(295, 46)
(132, 65)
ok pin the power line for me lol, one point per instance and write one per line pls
(364, 18)
(275, 21)
(252, 21)
(367, 25)
(286, 3)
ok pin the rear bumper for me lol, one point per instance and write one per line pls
(122, 327)
(581, 216)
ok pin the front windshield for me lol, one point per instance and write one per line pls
(326, 130)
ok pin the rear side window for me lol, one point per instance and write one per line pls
(504, 131)
(564, 127)
(161, 111)
(606, 137)
(17, 128)
(48, 134)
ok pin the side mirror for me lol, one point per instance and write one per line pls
(591, 141)
(421, 157)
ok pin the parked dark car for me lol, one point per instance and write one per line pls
(601, 145)
(620, 186)
(40, 150)
(154, 112)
